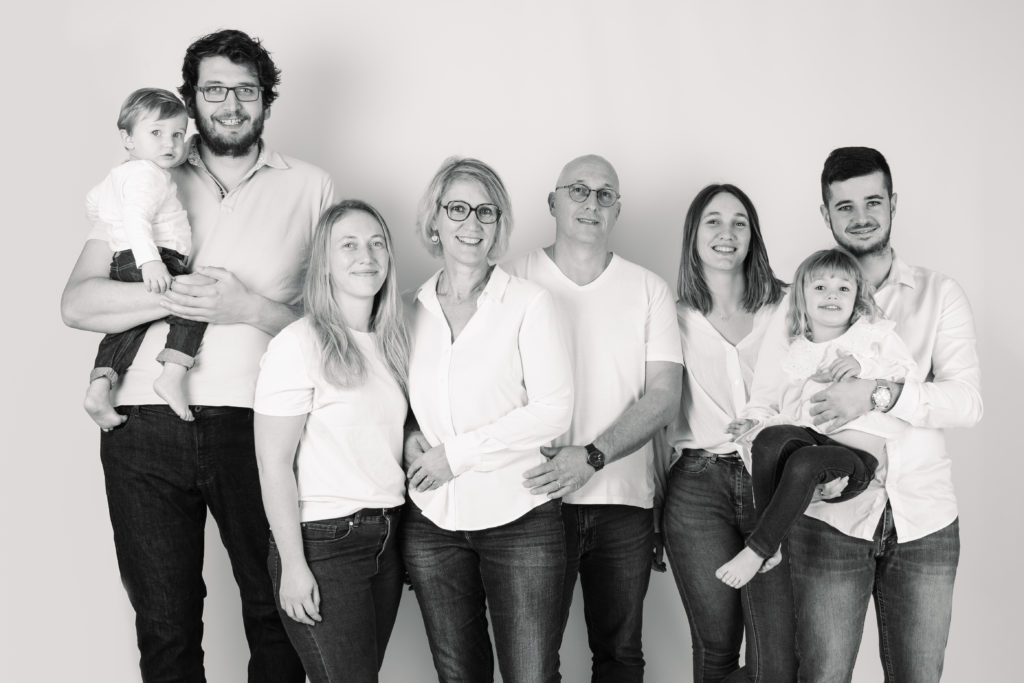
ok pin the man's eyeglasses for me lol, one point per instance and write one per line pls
(219, 93)
(459, 211)
(578, 192)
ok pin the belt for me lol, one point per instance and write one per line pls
(364, 515)
(713, 457)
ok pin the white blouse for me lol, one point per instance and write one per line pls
(493, 397)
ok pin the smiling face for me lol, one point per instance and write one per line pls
(228, 128)
(466, 241)
(359, 258)
(829, 298)
(859, 214)
(161, 141)
(723, 235)
(585, 222)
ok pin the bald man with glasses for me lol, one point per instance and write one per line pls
(627, 368)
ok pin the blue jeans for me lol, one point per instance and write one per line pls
(162, 474)
(709, 510)
(610, 548)
(912, 583)
(514, 570)
(358, 572)
(118, 350)
(789, 462)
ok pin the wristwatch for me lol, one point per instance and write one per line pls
(881, 397)
(595, 458)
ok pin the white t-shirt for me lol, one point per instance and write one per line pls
(615, 326)
(350, 452)
(493, 397)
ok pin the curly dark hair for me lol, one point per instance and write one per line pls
(240, 49)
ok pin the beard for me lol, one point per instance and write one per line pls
(858, 248)
(228, 146)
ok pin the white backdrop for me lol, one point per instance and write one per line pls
(675, 94)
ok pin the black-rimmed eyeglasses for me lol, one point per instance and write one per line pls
(459, 211)
(578, 192)
(219, 93)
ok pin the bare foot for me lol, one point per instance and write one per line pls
(740, 569)
(771, 563)
(170, 386)
(99, 407)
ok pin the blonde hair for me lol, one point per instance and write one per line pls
(828, 261)
(455, 168)
(342, 362)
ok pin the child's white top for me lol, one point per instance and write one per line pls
(350, 451)
(138, 201)
(875, 345)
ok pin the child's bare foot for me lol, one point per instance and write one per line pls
(771, 563)
(99, 407)
(170, 386)
(738, 571)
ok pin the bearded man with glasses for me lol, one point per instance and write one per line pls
(627, 368)
(252, 213)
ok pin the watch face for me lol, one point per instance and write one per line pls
(595, 458)
(881, 397)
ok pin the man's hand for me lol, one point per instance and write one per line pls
(841, 402)
(829, 490)
(566, 470)
(430, 470)
(211, 295)
(155, 276)
(738, 428)
(658, 563)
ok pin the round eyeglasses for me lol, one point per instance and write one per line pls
(578, 192)
(459, 211)
(219, 93)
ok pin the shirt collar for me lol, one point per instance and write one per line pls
(495, 289)
(900, 273)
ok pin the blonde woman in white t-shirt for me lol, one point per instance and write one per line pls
(329, 413)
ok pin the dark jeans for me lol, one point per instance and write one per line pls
(709, 510)
(789, 462)
(610, 548)
(515, 571)
(912, 584)
(162, 474)
(358, 571)
(117, 351)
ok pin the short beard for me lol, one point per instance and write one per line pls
(865, 250)
(228, 147)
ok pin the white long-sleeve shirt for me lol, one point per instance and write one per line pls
(138, 202)
(493, 397)
(933, 318)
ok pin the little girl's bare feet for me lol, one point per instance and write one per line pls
(170, 386)
(738, 571)
(99, 407)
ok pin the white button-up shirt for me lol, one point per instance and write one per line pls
(933, 317)
(493, 397)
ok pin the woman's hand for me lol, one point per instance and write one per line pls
(829, 490)
(299, 594)
(415, 446)
(429, 470)
(738, 428)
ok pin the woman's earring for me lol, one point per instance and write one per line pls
(434, 238)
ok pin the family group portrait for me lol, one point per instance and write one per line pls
(520, 342)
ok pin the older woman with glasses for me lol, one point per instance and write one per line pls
(489, 384)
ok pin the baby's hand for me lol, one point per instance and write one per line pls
(844, 367)
(738, 428)
(156, 277)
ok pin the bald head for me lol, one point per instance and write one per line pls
(573, 171)
(586, 221)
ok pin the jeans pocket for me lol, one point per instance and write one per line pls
(317, 533)
(692, 466)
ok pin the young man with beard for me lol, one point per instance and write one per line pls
(252, 213)
(898, 541)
